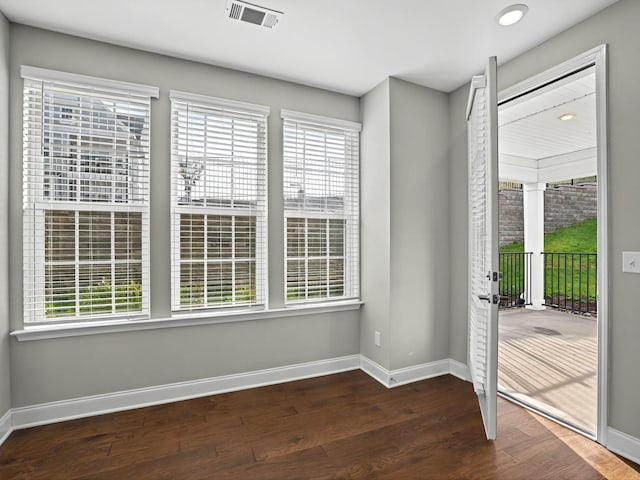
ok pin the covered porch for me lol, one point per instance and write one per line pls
(548, 357)
(545, 139)
(548, 360)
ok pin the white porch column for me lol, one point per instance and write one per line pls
(533, 198)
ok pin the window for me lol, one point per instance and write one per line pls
(86, 197)
(219, 172)
(321, 208)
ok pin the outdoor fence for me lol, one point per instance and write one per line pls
(571, 281)
(515, 286)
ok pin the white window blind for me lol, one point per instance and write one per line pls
(218, 196)
(86, 197)
(321, 208)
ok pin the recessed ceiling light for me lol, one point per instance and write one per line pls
(567, 116)
(512, 14)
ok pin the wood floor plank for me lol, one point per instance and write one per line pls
(345, 426)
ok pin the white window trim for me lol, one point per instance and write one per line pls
(74, 79)
(34, 258)
(262, 254)
(215, 102)
(339, 124)
(320, 120)
(76, 329)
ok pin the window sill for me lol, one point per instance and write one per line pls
(42, 332)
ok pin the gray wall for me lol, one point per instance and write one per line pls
(5, 377)
(404, 224)
(49, 370)
(375, 226)
(419, 222)
(616, 26)
(458, 225)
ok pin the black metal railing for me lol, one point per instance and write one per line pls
(570, 281)
(515, 286)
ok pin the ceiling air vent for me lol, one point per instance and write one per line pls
(250, 13)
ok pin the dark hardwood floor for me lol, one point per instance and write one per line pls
(338, 426)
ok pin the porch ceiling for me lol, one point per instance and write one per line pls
(536, 146)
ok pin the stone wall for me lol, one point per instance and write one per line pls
(564, 205)
(511, 215)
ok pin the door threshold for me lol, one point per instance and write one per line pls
(537, 411)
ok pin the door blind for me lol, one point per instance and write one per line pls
(321, 208)
(218, 195)
(86, 199)
(480, 246)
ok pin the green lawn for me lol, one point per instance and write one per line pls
(580, 237)
(572, 277)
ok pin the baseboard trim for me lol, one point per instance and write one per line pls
(460, 370)
(24, 417)
(403, 376)
(5, 426)
(34, 415)
(623, 444)
(31, 416)
(375, 370)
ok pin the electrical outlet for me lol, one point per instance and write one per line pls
(631, 262)
(376, 338)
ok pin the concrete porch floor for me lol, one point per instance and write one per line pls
(548, 360)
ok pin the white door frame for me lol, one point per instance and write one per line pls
(595, 57)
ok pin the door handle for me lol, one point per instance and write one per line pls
(490, 298)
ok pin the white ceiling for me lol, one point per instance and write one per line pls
(535, 145)
(531, 128)
(342, 45)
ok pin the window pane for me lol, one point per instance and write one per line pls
(317, 278)
(220, 282)
(191, 236)
(317, 233)
(296, 283)
(94, 235)
(60, 291)
(219, 236)
(245, 237)
(191, 284)
(336, 278)
(128, 235)
(295, 237)
(60, 235)
(336, 238)
(95, 289)
(245, 275)
(128, 289)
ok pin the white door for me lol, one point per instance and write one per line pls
(482, 131)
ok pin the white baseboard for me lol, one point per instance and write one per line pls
(31, 416)
(375, 370)
(34, 415)
(623, 444)
(402, 376)
(23, 417)
(5, 426)
(459, 370)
